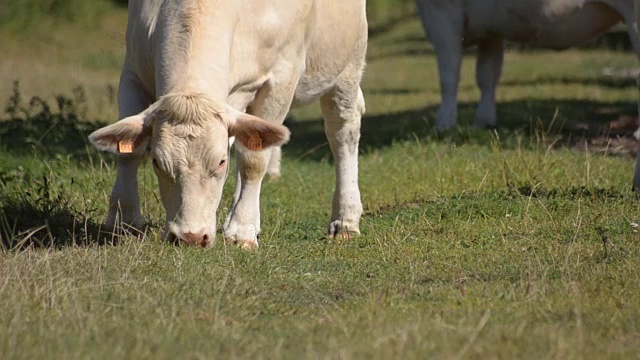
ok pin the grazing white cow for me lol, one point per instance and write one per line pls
(192, 70)
(555, 24)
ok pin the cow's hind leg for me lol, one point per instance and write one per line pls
(124, 204)
(631, 16)
(488, 71)
(342, 109)
(632, 29)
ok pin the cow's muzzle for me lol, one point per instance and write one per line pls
(200, 239)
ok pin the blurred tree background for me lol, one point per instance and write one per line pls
(22, 14)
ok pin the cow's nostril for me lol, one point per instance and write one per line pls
(205, 241)
(193, 239)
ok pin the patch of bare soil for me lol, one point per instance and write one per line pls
(619, 136)
(614, 138)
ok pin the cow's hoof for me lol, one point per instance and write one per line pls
(445, 123)
(243, 244)
(244, 236)
(247, 244)
(344, 229)
(485, 125)
(484, 119)
(443, 128)
(274, 175)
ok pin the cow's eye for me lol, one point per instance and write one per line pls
(218, 170)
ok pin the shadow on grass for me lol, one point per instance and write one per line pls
(37, 218)
(36, 129)
(472, 208)
(416, 44)
(26, 222)
(610, 82)
(601, 81)
(614, 40)
(568, 121)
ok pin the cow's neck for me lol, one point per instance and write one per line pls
(194, 47)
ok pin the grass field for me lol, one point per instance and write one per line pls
(514, 243)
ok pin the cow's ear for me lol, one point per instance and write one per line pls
(127, 136)
(256, 134)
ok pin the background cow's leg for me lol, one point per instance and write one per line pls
(242, 226)
(636, 174)
(443, 23)
(124, 204)
(630, 13)
(631, 16)
(625, 9)
(488, 71)
(342, 109)
(634, 28)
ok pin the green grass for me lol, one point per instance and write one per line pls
(476, 244)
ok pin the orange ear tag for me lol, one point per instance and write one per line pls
(125, 147)
(255, 142)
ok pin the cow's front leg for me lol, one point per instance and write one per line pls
(124, 205)
(342, 109)
(272, 103)
(443, 22)
(242, 226)
(488, 71)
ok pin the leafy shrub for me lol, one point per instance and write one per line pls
(36, 207)
(37, 128)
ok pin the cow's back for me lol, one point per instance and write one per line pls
(328, 34)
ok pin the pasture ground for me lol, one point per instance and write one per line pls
(514, 243)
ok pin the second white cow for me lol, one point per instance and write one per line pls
(199, 71)
(452, 25)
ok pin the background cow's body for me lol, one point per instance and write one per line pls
(253, 56)
(555, 24)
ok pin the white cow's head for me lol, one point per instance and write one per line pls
(187, 137)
